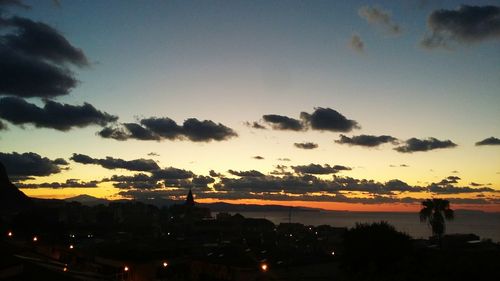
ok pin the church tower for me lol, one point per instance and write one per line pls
(189, 199)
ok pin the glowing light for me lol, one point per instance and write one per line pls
(65, 269)
(71, 246)
(165, 264)
(125, 268)
(264, 267)
(9, 234)
(35, 238)
(333, 253)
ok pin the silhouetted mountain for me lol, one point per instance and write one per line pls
(226, 207)
(11, 198)
(87, 200)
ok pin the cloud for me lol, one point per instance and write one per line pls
(39, 40)
(14, 3)
(255, 125)
(30, 164)
(284, 159)
(414, 145)
(70, 183)
(317, 169)
(35, 59)
(214, 174)
(53, 115)
(172, 173)
(489, 141)
(357, 44)
(144, 165)
(251, 173)
(258, 157)
(280, 122)
(306, 145)
(327, 119)
(153, 154)
(467, 24)
(366, 140)
(379, 17)
(206, 130)
(165, 128)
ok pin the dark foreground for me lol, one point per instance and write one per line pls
(135, 241)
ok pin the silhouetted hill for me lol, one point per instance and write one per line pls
(214, 207)
(87, 200)
(227, 207)
(11, 198)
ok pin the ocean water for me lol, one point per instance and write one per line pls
(486, 225)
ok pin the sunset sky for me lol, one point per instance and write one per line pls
(347, 105)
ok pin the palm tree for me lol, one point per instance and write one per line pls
(435, 212)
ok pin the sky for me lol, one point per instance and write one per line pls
(342, 105)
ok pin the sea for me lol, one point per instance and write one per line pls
(485, 225)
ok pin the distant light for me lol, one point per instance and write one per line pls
(65, 269)
(264, 267)
(316, 233)
(168, 233)
(125, 268)
(333, 253)
(9, 234)
(35, 238)
(165, 264)
(71, 246)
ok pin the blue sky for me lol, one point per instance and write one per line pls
(234, 61)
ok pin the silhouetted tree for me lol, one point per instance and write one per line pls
(435, 212)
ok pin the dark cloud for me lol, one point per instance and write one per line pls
(467, 24)
(414, 145)
(53, 115)
(165, 128)
(447, 186)
(357, 44)
(153, 154)
(450, 189)
(142, 165)
(202, 181)
(284, 159)
(328, 119)
(379, 17)
(489, 141)
(251, 173)
(206, 130)
(27, 77)
(214, 174)
(280, 122)
(30, 164)
(70, 183)
(14, 3)
(255, 125)
(366, 140)
(306, 145)
(3, 126)
(317, 169)
(258, 157)
(39, 40)
(34, 59)
(172, 173)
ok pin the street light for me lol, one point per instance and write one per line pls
(165, 264)
(9, 234)
(35, 238)
(71, 246)
(125, 268)
(264, 267)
